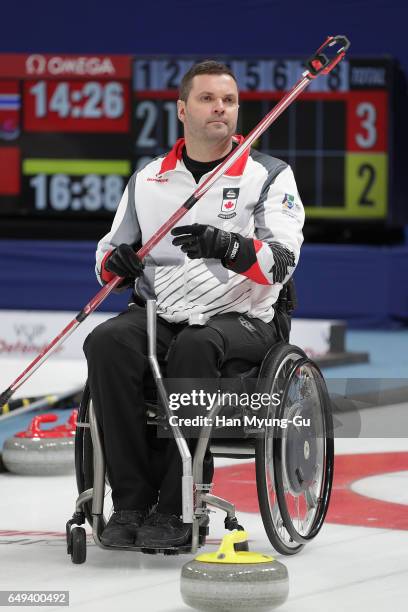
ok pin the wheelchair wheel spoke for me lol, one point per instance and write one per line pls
(107, 503)
(277, 517)
(310, 499)
(273, 503)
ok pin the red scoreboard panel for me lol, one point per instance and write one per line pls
(65, 135)
(73, 128)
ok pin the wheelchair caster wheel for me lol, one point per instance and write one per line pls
(77, 545)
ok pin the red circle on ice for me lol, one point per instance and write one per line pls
(237, 484)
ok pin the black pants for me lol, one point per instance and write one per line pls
(143, 471)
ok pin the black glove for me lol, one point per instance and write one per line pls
(204, 241)
(124, 262)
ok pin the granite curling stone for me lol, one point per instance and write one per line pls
(234, 581)
(42, 452)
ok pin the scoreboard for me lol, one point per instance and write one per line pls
(74, 128)
(65, 135)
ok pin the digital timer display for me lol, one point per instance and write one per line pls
(60, 185)
(75, 106)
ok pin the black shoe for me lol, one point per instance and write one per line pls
(163, 531)
(122, 528)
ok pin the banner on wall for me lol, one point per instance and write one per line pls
(24, 334)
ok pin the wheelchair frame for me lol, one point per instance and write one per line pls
(196, 495)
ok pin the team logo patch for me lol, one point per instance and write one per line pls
(289, 206)
(288, 202)
(229, 202)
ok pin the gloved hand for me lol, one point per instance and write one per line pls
(203, 241)
(123, 261)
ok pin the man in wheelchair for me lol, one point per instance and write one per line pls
(216, 280)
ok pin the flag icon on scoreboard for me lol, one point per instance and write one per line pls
(10, 104)
(9, 171)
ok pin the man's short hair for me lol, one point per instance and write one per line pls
(205, 67)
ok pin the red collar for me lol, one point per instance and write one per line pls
(175, 155)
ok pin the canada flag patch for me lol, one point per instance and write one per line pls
(229, 202)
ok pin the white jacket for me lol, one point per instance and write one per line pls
(256, 198)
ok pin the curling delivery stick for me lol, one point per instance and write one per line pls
(318, 64)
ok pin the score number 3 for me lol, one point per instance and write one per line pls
(368, 113)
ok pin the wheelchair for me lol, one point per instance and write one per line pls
(293, 464)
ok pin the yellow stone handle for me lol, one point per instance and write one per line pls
(227, 553)
(226, 548)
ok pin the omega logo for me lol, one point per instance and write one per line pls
(38, 64)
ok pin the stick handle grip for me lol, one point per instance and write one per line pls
(5, 396)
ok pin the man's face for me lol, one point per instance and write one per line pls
(211, 111)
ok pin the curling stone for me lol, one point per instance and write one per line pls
(70, 425)
(234, 581)
(41, 452)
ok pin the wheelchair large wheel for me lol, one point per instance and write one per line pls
(274, 377)
(84, 469)
(303, 452)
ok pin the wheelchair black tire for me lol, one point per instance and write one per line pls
(78, 545)
(279, 361)
(323, 498)
(84, 454)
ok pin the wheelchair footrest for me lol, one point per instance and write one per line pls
(174, 550)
